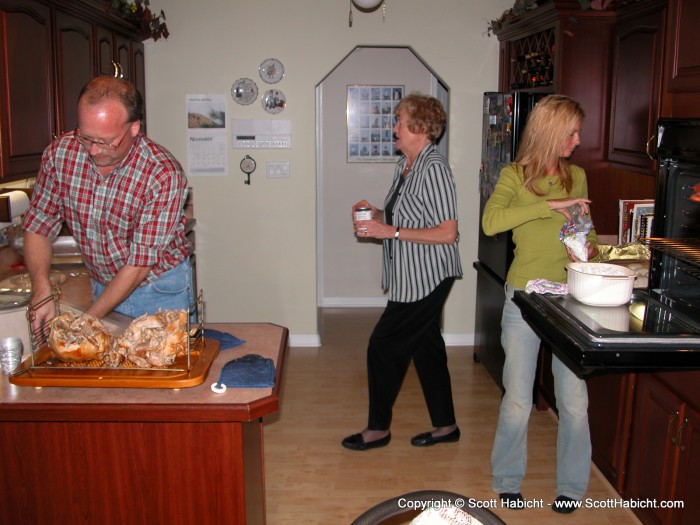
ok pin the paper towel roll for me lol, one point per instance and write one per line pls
(19, 202)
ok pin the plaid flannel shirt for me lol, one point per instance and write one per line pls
(134, 216)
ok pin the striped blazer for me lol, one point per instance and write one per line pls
(411, 271)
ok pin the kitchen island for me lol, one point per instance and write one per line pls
(138, 455)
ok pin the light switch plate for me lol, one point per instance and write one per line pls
(278, 169)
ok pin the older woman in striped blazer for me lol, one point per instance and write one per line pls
(418, 228)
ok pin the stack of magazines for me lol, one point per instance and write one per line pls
(636, 220)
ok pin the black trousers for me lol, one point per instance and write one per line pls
(408, 331)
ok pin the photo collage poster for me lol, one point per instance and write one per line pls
(370, 116)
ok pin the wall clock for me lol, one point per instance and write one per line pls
(244, 91)
(271, 70)
(273, 101)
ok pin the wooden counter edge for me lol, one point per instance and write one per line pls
(197, 412)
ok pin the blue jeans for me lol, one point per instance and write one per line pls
(171, 291)
(509, 455)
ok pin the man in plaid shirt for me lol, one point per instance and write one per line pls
(121, 195)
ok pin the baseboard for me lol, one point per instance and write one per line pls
(352, 302)
(314, 340)
(304, 340)
(458, 339)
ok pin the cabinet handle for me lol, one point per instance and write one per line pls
(648, 144)
(117, 70)
(678, 435)
(668, 428)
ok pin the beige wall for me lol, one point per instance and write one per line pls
(256, 244)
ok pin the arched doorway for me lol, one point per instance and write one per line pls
(349, 270)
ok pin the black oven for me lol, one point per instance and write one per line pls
(660, 328)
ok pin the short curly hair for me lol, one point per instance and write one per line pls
(425, 115)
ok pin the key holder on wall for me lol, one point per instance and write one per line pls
(248, 167)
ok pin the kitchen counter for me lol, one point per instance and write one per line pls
(263, 339)
(138, 455)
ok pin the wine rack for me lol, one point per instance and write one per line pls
(532, 61)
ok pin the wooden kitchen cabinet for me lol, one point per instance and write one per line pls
(26, 87)
(75, 59)
(79, 455)
(681, 94)
(579, 44)
(51, 49)
(664, 459)
(610, 401)
(636, 84)
(119, 55)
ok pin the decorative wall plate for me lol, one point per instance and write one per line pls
(273, 101)
(271, 70)
(244, 91)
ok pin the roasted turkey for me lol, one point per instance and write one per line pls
(78, 339)
(154, 339)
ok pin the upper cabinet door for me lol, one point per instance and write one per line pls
(636, 89)
(138, 74)
(74, 68)
(106, 64)
(26, 98)
(685, 48)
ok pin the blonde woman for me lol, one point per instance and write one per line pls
(531, 199)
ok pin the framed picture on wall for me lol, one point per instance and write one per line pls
(370, 114)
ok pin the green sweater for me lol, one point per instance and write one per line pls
(539, 253)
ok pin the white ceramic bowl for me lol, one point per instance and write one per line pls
(600, 284)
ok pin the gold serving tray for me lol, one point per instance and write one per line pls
(42, 373)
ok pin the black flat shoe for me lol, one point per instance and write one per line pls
(512, 500)
(426, 439)
(565, 505)
(357, 442)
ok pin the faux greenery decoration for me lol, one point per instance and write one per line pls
(521, 6)
(140, 15)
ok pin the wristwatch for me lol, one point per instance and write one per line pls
(396, 233)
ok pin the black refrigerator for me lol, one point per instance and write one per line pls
(503, 121)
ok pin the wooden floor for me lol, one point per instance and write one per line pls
(311, 479)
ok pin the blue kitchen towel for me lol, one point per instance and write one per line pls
(225, 340)
(248, 371)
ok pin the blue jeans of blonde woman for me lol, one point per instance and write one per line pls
(509, 455)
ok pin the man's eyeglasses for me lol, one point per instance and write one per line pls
(87, 142)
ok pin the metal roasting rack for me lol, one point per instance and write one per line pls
(687, 250)
(39, 337)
